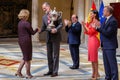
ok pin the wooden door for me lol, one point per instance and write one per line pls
(9, 10)
(116, 12)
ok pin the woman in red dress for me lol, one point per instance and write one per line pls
(93, 41)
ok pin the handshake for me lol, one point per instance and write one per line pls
(53, 30)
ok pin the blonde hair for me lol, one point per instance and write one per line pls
(24, 14)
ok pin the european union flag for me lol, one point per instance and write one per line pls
(102, 18)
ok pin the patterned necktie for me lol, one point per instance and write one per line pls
(48, 16)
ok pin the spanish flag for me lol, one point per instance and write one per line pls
(93, 7)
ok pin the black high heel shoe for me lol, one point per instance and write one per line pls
(29, 77)
(19, 75)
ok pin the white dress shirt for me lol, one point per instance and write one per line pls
(108, 18)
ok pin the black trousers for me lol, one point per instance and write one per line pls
(74, 50)
(53, 49)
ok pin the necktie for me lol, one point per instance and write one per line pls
(48, 16)
(106, 20)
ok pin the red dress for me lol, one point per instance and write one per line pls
(93, 43)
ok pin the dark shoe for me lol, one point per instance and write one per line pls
(47, 74)
(19, 75)
(73, 67)
(54, 75)
(29, 77)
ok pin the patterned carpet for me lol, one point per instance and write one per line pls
(10, 55)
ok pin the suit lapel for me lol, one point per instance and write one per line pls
(46, 20)
(107, 23)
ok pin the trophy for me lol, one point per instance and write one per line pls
(54, 16)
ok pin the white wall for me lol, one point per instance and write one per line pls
(79, 9)
(107, 2)
(35, 18)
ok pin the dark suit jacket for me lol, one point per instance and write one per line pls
(58, 25)
(74, 33)
(108, 34)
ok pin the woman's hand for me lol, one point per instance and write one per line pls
(84, 26)
(93, 25)
(83, 23)
(39, 29)
(96, 25)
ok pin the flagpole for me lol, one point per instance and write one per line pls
(92, 1)
(99, 3)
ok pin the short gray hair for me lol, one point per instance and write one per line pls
(110, 9)
(46, 3)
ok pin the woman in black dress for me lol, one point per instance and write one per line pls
(24, 39)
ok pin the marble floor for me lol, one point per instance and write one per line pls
(10, 55)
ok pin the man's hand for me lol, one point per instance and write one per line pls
(67, 22)
(97, 25)
(54, 30)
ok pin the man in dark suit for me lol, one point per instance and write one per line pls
(108, 32)
(53, 41)
(74, 33)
